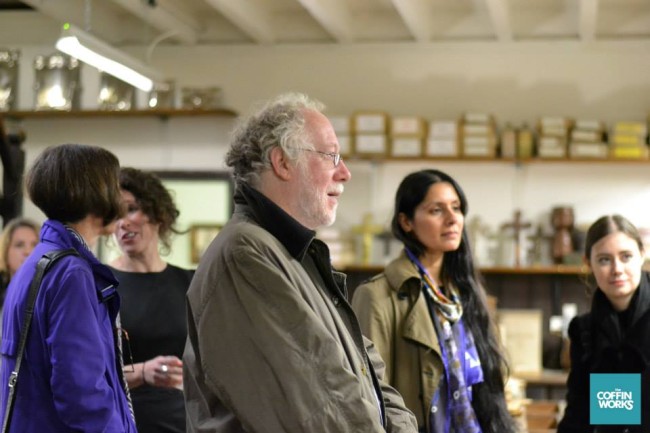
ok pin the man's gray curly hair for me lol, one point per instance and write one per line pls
(280, 122)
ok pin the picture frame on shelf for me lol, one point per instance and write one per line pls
(200, 237)
(522, 334)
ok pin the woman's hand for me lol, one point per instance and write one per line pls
(164, 372)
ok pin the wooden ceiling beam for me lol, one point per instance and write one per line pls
(417, 18)
(500, 16)
(252, 20)
(333, 15)
(588, 19)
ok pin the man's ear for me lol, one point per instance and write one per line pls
(280, 163)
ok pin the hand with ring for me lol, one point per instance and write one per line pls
(164, 371)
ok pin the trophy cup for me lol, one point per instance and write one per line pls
(8, 78)
(115, 94)
(162, 96)
(57, 82)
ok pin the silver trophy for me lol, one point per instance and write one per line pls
(201, 98)
(57, 84)
(115, 94)
(8, 78)
(162, 96)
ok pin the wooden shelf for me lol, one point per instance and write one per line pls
(583, 161)
(161, 113)
(529, 161)
(382, 159)
(545, 377)
(532, 270)
(536, 270)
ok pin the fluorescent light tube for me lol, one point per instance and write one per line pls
(87, 48)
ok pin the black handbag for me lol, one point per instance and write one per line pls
(43, 265)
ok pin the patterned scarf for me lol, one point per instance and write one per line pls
(459, 356)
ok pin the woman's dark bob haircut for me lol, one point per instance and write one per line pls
(71, 181)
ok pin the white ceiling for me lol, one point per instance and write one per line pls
(272, 22)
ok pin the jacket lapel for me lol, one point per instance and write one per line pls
(418, 326)
(404, 278)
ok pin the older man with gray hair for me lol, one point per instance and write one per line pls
(273, 344)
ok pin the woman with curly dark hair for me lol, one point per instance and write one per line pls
(153, 306)
(427, 315)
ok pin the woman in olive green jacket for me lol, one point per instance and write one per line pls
(427, 315)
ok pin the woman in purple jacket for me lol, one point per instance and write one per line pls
(70, 378)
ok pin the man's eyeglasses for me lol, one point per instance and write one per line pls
(336, 157)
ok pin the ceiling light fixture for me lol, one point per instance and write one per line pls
(87, 48)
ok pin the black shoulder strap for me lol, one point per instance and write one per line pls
(43, 265)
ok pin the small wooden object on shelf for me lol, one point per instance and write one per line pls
(562, 220)
(517, 226)
(367, 230)
(539, 241)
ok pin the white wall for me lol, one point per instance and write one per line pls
(516, 82)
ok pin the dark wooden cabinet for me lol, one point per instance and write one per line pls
(545, 288)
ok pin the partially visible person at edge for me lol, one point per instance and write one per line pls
(18, 239)
(428, 317)
(153, 303)
(614, 336)
(71, 376)
(273, 344)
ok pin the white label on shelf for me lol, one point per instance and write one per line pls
(478, 151)
(478, 140)
(406, 126)
(375, 144)
(442, 147)
(370, 123)
(477, 129)
(407, 147)
(443, 128)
